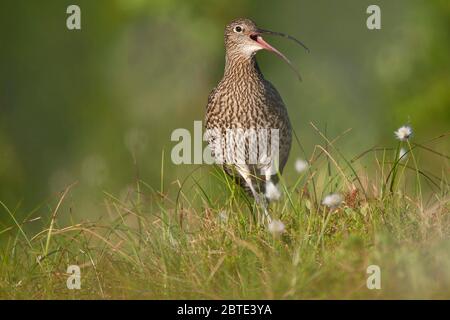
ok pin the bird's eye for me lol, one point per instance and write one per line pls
(238, 29)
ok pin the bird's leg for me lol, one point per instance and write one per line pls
(265, 206)
(259, 198)
(267, 173)
(268, 177)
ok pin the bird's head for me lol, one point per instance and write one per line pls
(243, 39)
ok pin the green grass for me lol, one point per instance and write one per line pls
(172, 243)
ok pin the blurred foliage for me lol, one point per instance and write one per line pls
(98, 105)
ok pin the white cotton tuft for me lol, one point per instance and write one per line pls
(402, 155)
(276, 227)
(301, 165)
(403, 133)
(223, 216)
(272, 192)
(332, 200)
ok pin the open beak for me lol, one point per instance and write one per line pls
(259, 39)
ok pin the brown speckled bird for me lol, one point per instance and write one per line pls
(245, 100)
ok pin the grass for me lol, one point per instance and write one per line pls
(199, 237)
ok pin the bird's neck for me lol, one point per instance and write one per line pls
(242, 66)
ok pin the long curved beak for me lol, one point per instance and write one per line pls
(259, 39)
(262, 31)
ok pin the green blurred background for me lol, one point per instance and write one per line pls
(84, 105)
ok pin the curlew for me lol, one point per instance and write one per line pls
(247, 124)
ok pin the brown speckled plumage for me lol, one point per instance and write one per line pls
(245, 99)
